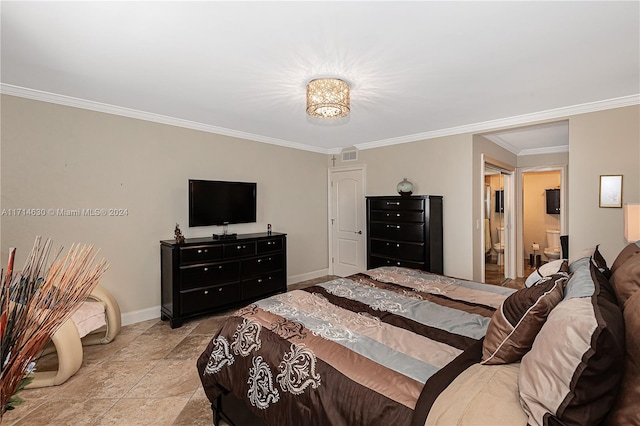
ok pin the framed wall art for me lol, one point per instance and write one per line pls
(611, 191)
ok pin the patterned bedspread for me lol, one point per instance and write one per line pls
(352, 351)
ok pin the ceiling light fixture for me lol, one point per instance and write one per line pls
(328, 98)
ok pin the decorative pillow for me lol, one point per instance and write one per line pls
(625, 279)
(572, 373)
(627, 252)
(581, 283)
(626, 411)
(549, 268)
(515, 325)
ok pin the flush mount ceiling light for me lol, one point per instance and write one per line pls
(328, 98)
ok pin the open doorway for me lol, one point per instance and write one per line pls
(543, 216)
(498, 266)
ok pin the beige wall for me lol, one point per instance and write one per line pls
(602, 143)
(437, 166)
(61, 157)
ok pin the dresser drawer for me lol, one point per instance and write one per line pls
(263, 284)
(399, 231)
(200, 254)
(239, 249)
(397, 216)
(397, 204)
(203, 275)
(262, 265)
(204, 299)
(400, 250)
(377, 261)
(269, 245)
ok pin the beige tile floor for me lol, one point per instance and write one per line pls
(146, 376)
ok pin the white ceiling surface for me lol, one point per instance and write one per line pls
(417, 69)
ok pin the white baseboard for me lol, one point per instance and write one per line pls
(308, 276)
(140, 315)
(154, 312)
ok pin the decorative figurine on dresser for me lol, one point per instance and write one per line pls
(405, 230)
(206, 275)
(178, 235)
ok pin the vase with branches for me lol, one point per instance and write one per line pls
(35, 302)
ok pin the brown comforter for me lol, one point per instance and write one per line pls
(352, 351)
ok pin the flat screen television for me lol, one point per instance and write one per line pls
(213, 202)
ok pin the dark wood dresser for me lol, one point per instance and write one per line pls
(204, 275)
(405, 231)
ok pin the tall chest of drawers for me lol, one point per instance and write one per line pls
(205, 275)
(405, 231)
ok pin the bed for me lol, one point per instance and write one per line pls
(406, 347)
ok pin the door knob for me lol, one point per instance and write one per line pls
(359, 232)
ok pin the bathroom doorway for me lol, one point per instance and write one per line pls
(543, 216)
(497, 225)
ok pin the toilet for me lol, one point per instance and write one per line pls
(553, 250)
(499, 246)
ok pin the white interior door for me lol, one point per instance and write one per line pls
(347, 221)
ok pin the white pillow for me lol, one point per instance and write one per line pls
(542, 271)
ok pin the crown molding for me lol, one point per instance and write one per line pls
(39, 95)
(549, 150)
(484, 126)
(518, 120)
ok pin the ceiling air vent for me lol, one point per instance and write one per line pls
(349, 155)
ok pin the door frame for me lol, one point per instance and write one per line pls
(509, 215)
(363, 171)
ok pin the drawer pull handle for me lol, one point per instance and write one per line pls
(259, 281)
(220, 267)
(398, 245)
(220, 289)
(206, 292)
(206, 269)
(397, 203)
(259, 260)
(398, 215)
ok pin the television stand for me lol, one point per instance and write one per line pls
(225, 236)
(204, 276)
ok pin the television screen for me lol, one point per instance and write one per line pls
(220, 203)
(500, 201)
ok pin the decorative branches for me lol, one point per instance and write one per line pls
(36, 302)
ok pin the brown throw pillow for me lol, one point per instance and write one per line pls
(625, 273)
(626, 279)
(630, 250)
(573, 371)
(515, 325)
(626, 411)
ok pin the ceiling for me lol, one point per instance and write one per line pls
(417, 69)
